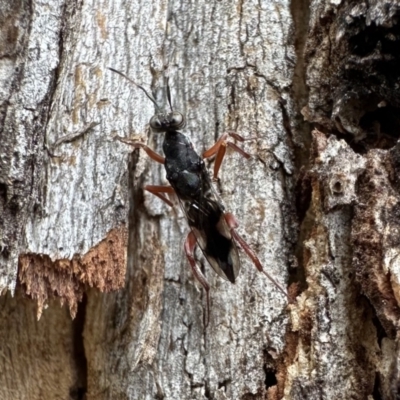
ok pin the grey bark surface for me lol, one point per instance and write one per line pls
(319, 209)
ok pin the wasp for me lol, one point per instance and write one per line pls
(211, 227)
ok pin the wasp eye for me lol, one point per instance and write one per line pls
(177, 120)
(155, 123)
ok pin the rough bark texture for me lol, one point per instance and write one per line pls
(347, 318)
(321, 209)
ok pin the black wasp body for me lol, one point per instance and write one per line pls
(187, 174)
(211, 228)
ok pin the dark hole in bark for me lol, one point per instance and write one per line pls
(270, 377)
(337, 187)
(3, 191)
(372, 36)
(382, 121)
(367, 37)
(5, 252)
(380, 331)
(379, 125)
(159, 396)
(36, 208)
(78, 391)
(303, 191)
(13, 205)
(368, 77)
(207, 393)
(376, 395)
(224, 384)
(303, 196)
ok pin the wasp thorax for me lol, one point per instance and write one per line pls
(167, 121)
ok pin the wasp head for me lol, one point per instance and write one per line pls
(164, 122)
(161, 122)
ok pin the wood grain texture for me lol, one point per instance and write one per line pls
(40, 360)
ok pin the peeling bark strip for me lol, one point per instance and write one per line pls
(102, 267)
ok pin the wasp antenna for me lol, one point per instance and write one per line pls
(169, 95)
(134, 83)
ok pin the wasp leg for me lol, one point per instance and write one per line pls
(219, 148)
(137, 145)
(190, 245)
(233, 224)
(157, 190)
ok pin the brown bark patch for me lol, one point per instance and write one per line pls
(289, 356)
(375, 240)
(102, 267)
(353, 63)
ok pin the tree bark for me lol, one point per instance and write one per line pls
(317, 201)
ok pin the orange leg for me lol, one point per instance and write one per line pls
(157, 190)
(154, 189)
(233, 224)
(137, 145)
(190, 245)
(219, 148)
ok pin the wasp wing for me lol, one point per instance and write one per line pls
(205, 216)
